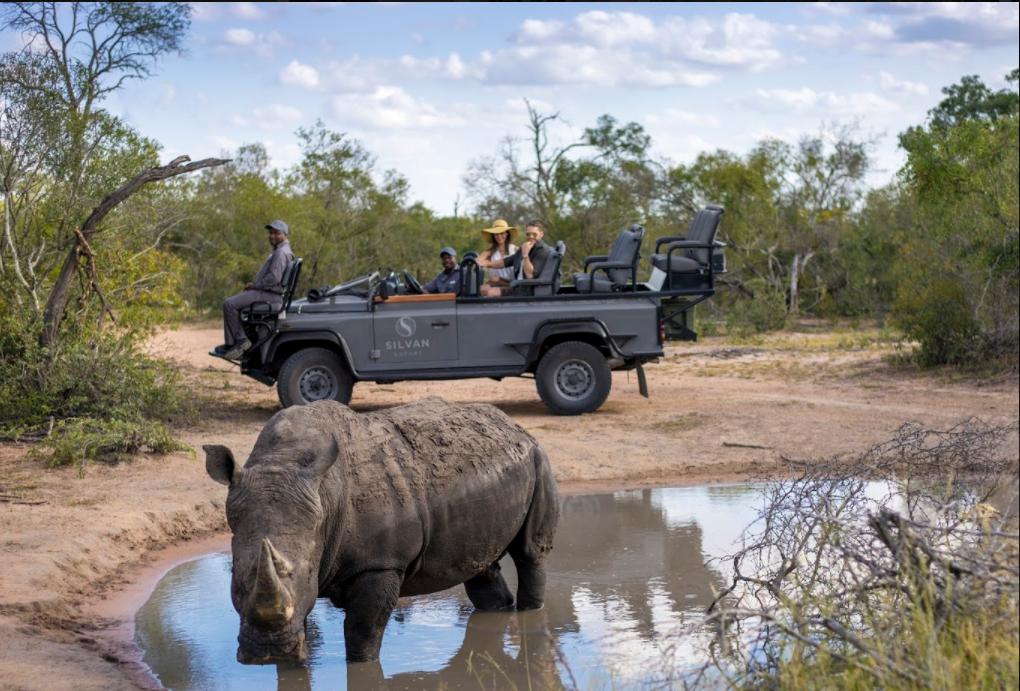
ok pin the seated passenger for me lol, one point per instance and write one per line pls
(500, 238)
(448, 280)
(267, 287)
(528, 261)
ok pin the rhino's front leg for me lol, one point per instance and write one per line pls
(369, 600)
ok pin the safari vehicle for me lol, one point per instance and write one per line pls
(569, 338)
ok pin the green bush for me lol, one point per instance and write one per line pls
(766, 311)
(935, 311)
(96, 396)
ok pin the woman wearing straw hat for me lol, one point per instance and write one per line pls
(500, 238)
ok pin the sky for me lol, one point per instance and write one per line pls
(429, 87)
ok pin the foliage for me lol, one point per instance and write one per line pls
(103, 376)
(961, 180)
(77, 440)
(69, 374)
(764, 311)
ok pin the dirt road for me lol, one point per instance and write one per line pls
(717, 411)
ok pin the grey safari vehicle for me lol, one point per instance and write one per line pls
(569, 338)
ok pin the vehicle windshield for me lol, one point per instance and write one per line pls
(363, 283)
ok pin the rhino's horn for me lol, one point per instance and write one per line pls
(270, 601)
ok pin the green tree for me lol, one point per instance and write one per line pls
(971, 99)
(959, 270)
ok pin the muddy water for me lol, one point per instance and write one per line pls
(626, 572)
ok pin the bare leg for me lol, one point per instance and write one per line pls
(488, 590)
(368, 601)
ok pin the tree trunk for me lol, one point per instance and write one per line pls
(800, 263)
(57, 301)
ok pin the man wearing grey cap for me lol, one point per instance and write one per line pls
(448, 280)
(267, 287)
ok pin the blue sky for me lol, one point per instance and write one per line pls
(428, 87)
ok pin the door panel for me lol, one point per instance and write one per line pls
(414, 335)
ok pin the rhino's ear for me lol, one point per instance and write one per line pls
(221, 465)
(317, 469)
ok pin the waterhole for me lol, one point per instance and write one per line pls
(627, 571)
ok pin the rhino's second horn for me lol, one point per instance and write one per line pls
(271, 603)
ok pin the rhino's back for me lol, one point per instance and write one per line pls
(450, 483)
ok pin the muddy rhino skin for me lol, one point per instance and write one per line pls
(363, 509)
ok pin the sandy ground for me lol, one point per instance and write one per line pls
(717, 412)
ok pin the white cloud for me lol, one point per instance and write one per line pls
(274, 117)
(835, 9)
(167, 94)
(239, 37)
(202, 98)
(297, 74)
(901, 86)
(740, 41)
(248, 10)
(595, 28)
(264, 45)
(672, 116)
(205, 11)
(594, 48)
(391, 107)
(909, 28)
(824, 103)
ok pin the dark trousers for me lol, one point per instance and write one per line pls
(232, 306)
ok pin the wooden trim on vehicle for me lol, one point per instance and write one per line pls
(437, 297)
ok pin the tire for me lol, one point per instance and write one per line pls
(314, 374)
(573, 378)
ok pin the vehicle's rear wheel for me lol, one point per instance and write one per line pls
(314, 374)
(573, 378)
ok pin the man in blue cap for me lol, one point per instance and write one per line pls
(267, 287)
(448, 280)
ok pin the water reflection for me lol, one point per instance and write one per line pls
(626, 570)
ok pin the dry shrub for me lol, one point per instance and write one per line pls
(897, 568)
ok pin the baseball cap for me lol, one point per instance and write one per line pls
(280, 226)
(448, 250)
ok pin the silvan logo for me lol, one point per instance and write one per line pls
(406, 327)
(406, 346)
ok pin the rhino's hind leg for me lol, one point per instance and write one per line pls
(369, 600)
(488, 590)
(534, 540)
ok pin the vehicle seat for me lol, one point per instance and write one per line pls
(548, 282)
(619, 266)
(260, 310)
(687, 257)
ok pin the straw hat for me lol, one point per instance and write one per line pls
(499, 226)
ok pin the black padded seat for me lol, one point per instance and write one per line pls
(681, 265)
(583, 284)
(548, 283)
(618, 267)
(687, 260)
(266, 307)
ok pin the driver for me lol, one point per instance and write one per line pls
(448, 280)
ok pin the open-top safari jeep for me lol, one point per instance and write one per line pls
(569, 338)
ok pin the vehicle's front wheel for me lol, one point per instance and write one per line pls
(573, 378)
(314, 374)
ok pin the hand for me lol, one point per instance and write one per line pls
(249, 286)
(484, 263)
(526, 247)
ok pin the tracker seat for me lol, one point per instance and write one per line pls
(687, 262)
(619, 266)
(260, 310)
